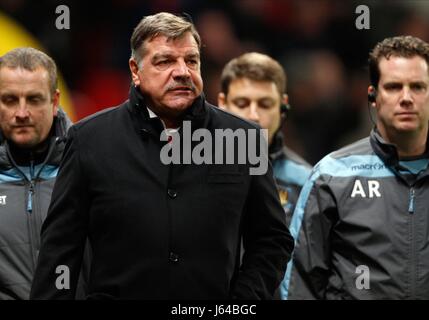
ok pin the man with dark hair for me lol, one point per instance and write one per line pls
(361, 223)
(162, 231)
(32, 133)
(254, 88)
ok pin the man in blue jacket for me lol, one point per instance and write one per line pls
(361, 223)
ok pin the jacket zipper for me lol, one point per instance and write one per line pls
(32, 217)
(33, 231)
(413, 273)
(31, 189)
(30, 198)
(411, 201)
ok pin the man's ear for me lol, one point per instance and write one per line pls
(372, 96)
(221, 101)
(285, 99)
(134, 68)
(55, 102)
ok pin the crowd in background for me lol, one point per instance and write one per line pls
(324, 54)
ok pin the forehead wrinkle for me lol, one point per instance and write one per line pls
(22, 79)
(188, 53)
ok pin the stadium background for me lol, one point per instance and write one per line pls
(317, 42)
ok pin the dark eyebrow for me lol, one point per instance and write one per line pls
(240, 98)
(421, 83)
(36, 95)
(193, 56)
(392, 83)
(267, 99)
(7, 95)
(159, 56)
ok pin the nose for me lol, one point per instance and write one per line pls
(22, 112)
(406, 97)
(253, 112)
(181, 70)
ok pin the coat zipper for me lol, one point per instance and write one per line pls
(30, 198)
(413, 235)
(411, 201)
(33, 230)
(31, 189)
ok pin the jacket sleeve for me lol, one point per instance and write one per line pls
(266, 240)
(64, 231)
(309, 269)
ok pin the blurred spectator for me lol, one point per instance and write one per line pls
(321, 113)
(283, 29)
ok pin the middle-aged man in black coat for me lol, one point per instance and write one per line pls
(157, 230)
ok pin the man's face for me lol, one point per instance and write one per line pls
(169, 74)
(27, 108)
(257, 101)
(403, 95)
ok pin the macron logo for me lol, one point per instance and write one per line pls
(2, 200)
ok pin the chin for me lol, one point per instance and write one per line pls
(407, 128)
(180, 105)
(24, 142)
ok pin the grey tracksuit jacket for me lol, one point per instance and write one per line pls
(361, 227)
(25, 194)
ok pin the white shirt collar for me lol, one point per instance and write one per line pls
(151, 113)
(169, 131)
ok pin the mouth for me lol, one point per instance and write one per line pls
(406, 114)
(182, 89)
(22, 127)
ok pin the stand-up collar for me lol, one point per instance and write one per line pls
(196, 112)
(57, 137)
(136, 103)
(276, 147)
(387, 151)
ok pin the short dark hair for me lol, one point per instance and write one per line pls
(163, 23)
(30, 59)
(254, 66)
(401, 46)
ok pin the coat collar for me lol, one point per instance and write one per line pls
(388, 151)
(56, 141)
(276, 147)
(196, 113)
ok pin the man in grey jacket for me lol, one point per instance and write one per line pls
(32, 135)
(361, 222)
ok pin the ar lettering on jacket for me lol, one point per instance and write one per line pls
(371, 190)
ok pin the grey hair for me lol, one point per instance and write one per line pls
(163, 23)
(30, 59)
